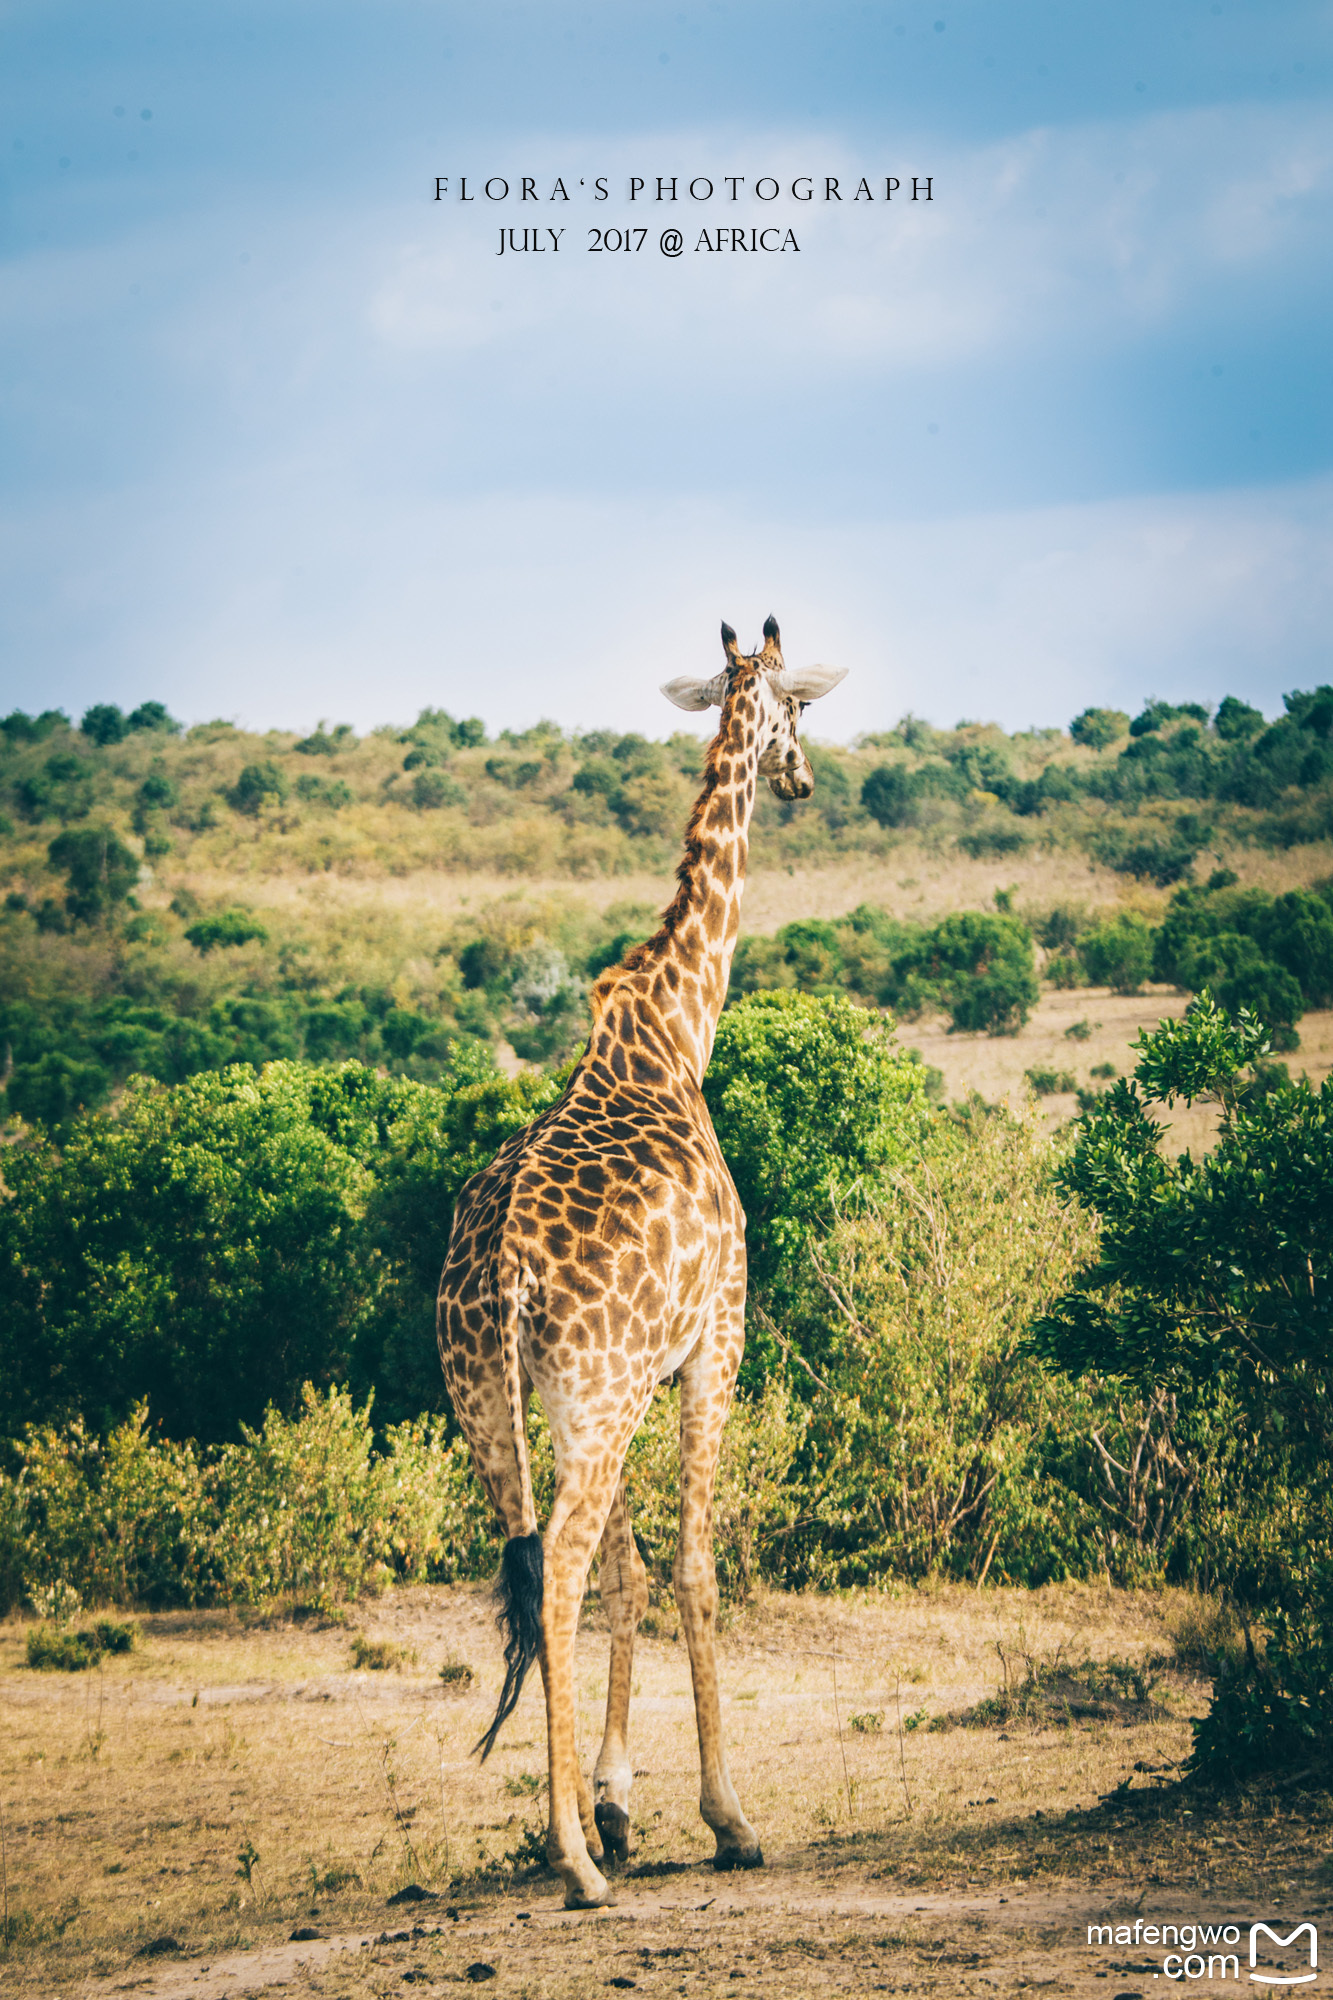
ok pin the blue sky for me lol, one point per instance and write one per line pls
(284, 438)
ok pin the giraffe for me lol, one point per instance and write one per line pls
(601, 1253)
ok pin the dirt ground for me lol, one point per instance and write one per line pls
(996, 1065)
(231, 1808)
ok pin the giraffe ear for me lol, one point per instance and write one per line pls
(686, 692)
(808, 683)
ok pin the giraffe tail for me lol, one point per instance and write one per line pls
(519, 1586)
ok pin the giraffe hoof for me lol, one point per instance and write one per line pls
(728, 1858)
(613, 1825)
(576, 1900)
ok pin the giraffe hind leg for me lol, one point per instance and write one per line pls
(623, 1583)
(578, 1516)
(705, 1397)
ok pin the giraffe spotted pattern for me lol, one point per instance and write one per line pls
(603, 1252)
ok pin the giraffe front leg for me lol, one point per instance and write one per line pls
(624, 1586)
(572, 1833)
(704, 1402)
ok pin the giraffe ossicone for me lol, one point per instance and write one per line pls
(602, 1253)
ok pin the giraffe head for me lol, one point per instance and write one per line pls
(778, 695)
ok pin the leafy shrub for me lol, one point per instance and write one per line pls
(1210, 1280)
(259, 785)
(1050, 1082)
(432, 789)
(304, 1508)
(54, 1648)
(807, 1095)
(1270, 954)
(1118, 954)
(99, 869)
(890, 795)
(1160, 861)
(1099, 727)
(321, 744)
(104, 723)
(380, 1655)
(152, 715)
(332, 792)
(229, 927)
(994, 838)
(926, 1444)
(1236, 721)
(1273, 1713)
(986, 968)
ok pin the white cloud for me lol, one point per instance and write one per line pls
(521, 605)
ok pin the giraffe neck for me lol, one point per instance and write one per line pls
(688, 963)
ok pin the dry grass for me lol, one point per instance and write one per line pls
(229, 1783)
(995, 1065)
(915, 881)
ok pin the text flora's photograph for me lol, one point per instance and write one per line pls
(666, 998)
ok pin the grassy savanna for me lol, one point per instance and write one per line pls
(1029, 1463)
(231, 1782)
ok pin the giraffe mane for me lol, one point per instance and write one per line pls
(640, 955)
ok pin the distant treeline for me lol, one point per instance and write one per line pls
(612, 796)
(111, 963)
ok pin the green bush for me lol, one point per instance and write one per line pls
(1099, 727)
(54, 1648)
(1211, 1282)
(99, 868)
(1270, 954)
(1050, 1082)
(808, 1097)
(926, 1446)
(985, 968)
(258, 785)
(1119, 953)
(303, 1507)
(230, 927)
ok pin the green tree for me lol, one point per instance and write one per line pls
(99, 869)
(1236, 721)
(258, 785)
(985, 969)
(807, 1096)
(1118, 953)
(1098, 727)
(229, 927)
(889, 794)
(210, 1246)
(104, 723)
(1218, 1271)
(199, 1248)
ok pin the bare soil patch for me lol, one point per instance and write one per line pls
(172, 1819)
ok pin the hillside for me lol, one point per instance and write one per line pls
(178, 899)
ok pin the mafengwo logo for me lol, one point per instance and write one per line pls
(1277, 1943)
(1196, 1954)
